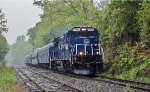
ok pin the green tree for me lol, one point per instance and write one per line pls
(17, 53)
(118, 23)
(3, 47)
(3, 21)
(143, 17)
(59, 16)
(3, 41)
(124, 27)
(125, 32)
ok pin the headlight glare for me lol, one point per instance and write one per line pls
(81, 53)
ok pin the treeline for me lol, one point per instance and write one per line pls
(59, 15)
(17, 53)
(124, 28)
(125, 31)
(3, 41)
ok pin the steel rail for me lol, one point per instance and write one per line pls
(131, 85)
(22, 78)
(64, 84)
(38, 86)
(120, 82)
(127, 81)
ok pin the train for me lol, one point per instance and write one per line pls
(78, 51)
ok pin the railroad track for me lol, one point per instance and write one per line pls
(132, 84)
(45, 84)
(64, 84)
(144, 87)
(29, 84)
(83, 82)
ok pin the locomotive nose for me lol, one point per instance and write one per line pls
(86, 41)
(85, 46)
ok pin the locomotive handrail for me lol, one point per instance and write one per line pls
(92, 48)
(99, 48)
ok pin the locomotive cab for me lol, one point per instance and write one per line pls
(86, 51)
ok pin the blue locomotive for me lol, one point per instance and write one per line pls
(78, 51)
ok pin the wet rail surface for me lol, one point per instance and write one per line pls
(90, 84)
(133, 84)
(40, 83)
(142, 87)
(29, 85)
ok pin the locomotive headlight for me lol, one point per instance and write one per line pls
(97, 53)
(84, 29)
(81, 53)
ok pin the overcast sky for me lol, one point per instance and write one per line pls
(21, 15)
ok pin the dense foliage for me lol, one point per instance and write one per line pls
(3, 21)
(60, 15)
(125, 31)
(3, 47)
(7, 77)
(124, 28)
(3, 41)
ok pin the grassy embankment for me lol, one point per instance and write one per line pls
(7, 80)
(131, 63)
(139, 73)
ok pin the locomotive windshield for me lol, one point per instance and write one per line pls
(82, 34)
(86, 34)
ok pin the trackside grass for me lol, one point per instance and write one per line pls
(7, 79)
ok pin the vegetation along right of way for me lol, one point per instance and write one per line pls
(124, 28)
(7, 77)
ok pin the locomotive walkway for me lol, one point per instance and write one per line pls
(46, 80)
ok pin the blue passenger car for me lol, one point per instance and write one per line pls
(28, 60)
(44, 56)
(34, 57)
